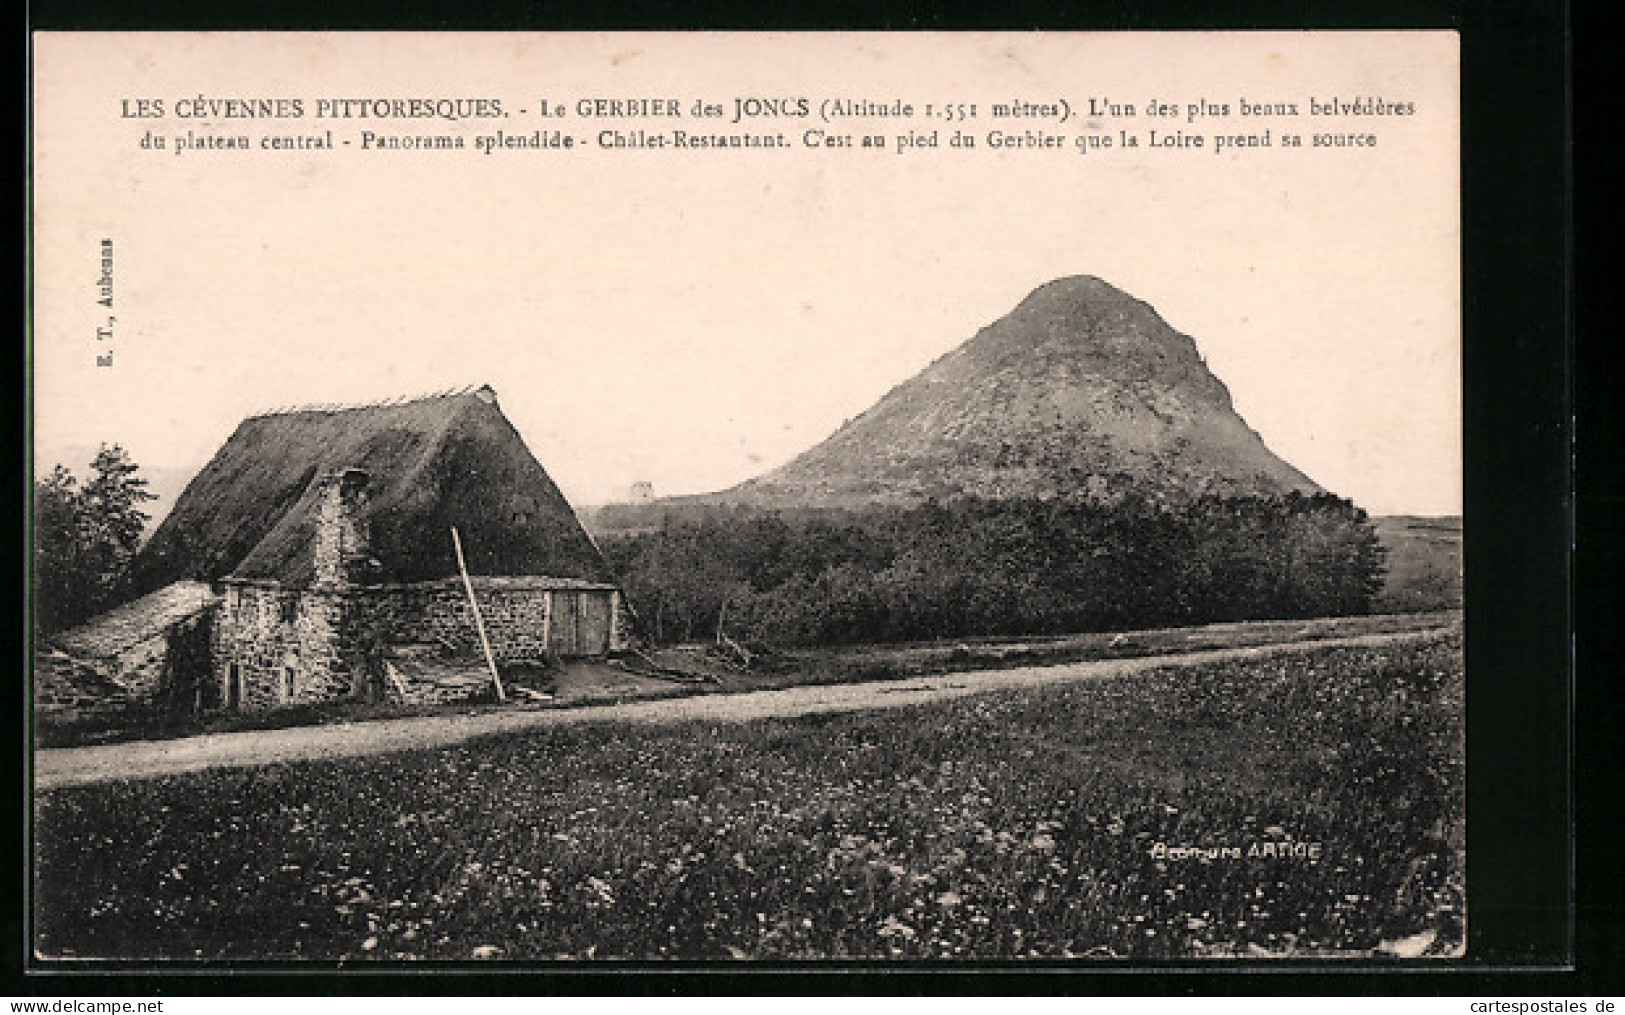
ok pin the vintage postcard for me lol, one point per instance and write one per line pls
(753, 498)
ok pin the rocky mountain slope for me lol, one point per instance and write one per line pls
(1081, 391)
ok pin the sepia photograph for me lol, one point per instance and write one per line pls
(576, 499)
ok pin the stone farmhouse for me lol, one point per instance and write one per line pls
(314, 559)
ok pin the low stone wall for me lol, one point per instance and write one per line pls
(279, 647)
(446, 690)
(523, 623)
(158, 672)
(68, 690)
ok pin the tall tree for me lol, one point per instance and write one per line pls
(85, 536)
(57, 550)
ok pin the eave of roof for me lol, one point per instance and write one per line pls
(497, 583)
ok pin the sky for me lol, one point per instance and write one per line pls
(695, 318)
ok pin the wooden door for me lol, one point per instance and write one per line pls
(595, 623)
(562, 636)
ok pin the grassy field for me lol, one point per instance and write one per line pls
(846, 664)
(1423, 563)
(1309, 804)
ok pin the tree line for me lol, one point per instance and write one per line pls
(962, 568)
(84, 538)
(973, 567)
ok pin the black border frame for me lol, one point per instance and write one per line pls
(1520, 399)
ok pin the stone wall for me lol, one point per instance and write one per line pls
(155, 672)
(140, 668)
(519, 617)
(280, 647)
(316, 644)
(72, 690)
(446, 691)
(148, 668)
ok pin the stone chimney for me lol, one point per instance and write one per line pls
(343, 550)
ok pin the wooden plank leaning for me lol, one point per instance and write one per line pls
(479, 621)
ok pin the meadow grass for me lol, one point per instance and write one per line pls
(1013, 824)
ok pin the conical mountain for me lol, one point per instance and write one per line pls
(1080, 392)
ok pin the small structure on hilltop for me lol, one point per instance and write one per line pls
(324, 537)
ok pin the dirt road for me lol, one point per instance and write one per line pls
(75, 766)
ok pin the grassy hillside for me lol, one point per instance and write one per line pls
(1424, 564)
(1016, 824)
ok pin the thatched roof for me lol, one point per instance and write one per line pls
(433, 463)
